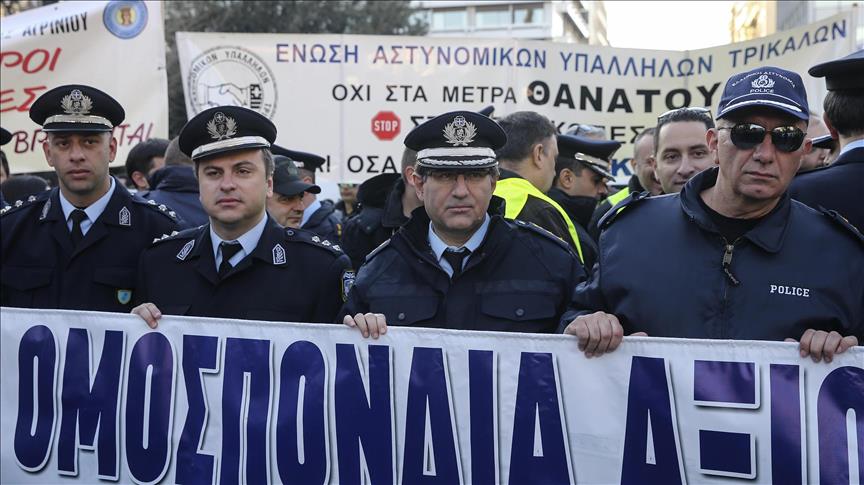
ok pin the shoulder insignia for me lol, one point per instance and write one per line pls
(316, 239)
(843, 222)
(377, 250)
(160, 208)
(18, 204)
(308, 237)
(325, 242)
(125, 217)
(535, 229)
(279, 254)
(151, 202)
(32, 198)
(187, 248)
(630, 201)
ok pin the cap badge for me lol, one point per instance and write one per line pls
(76, 103)
(762, 82)
(221, 126)
(460, 132)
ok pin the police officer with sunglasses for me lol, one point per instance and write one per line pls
(732, 256)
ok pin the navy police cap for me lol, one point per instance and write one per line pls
(844, 73)
(457, 140)
(767, 87)
(5, 136)
(594, 154)
(304, 160)
(225, 129)
(287, 180)
(75, 107)
(824, 141)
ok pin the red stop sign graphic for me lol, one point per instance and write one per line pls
(386, 125)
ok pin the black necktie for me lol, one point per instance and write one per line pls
(229, 249)
(77, 234)
(455, 258)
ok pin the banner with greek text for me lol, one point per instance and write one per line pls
(354, 98)
(88, 396)
(116, 46)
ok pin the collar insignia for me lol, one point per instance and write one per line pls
(221, 126)
(278, 254)
(125, 217)
(460, 132)
(76, 103)
(187, 248)
(45, 209)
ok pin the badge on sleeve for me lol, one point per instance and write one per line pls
(348, 277)
(124, 296)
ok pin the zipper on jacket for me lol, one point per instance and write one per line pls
(727, 262)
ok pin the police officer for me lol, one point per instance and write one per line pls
(581, 173)
(839, 185)
(731, 256)
(457, 263)
(319, 216)
(77, 246)
(285, 205)
(242, 264)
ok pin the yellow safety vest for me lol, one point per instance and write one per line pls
(618, 196)
(515, 192)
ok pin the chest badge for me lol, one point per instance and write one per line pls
(124, 296)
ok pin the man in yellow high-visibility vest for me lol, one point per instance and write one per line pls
(527, 170)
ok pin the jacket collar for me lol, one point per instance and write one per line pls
(855, 155)
(768, 234)
(580, 208)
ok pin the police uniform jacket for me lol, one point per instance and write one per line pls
(520, 279)
(291, 275)
(836, 187)
(325, 222)
(780, 281)
(41, 268)
(177, 187)
(633, 187)
(373, 224)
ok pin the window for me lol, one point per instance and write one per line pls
(449, 19)
(497, 17)
(528, 15)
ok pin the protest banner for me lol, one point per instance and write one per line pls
(354, 98)
(89, 395)
(116, 46)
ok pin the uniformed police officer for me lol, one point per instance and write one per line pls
(319, 216)
(285, 205)
(242, 264)
(839, 185)
(457, 263)
(77, 246)
(731, 256)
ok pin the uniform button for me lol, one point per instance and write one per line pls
(401, 316)
(290, 232)
(520, 312)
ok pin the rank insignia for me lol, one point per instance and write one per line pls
(125, 217)
(187, 248)
(278, 254)
(31, 198)
(316, 239)
(124, 296)
(45, 209)
(221, 126)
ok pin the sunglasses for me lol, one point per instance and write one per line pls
(688, 109)
(748, 135)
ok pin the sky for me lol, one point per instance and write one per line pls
(681, 25)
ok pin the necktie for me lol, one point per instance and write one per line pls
(456, 258)
(229, 249)
(77, 217)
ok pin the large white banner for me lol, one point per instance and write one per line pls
(354, 98)
(100, 396)
(115, 46)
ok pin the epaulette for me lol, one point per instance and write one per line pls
(613, 213)
(534, 228)
(20, 204)
(842, 222)
(300, 235)
(156, 206)
(377, 250)
(185, 233)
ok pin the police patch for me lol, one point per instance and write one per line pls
(348, 277)
(124, 296)
(125, 217)
(187, 248)
(278, 254)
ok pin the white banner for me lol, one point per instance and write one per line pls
(116, 46)
(354, 98)
(98, 395)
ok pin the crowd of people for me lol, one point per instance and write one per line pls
(733, 226)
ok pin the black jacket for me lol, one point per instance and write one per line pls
(177, 187)
(325, 222)
(378, 218)
(633, 187)
(839, 187)
(580, 210)
(41, 269)
(291, 275)
(520, 279)
(786, 281)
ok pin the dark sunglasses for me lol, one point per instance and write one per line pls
(748, 135)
